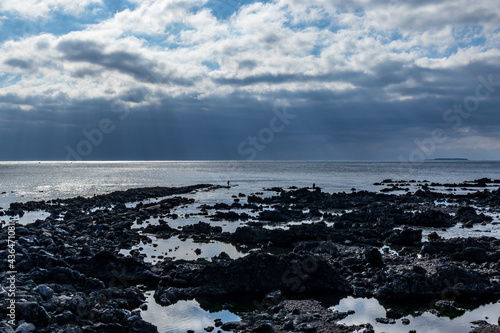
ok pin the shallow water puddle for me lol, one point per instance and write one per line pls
(191, 213)
(490, 229)
(227, 226)
(388, 249)
(286, 225)
(99, 208)
(178, 249)
(445, 203)
(182, 316)
(367, 310)
(28, 217)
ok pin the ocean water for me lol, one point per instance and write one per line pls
(24, 181)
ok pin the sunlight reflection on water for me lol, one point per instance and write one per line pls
(174, 247)
(367, 310)
(182, 316)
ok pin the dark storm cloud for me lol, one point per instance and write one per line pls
(131, 64)
(327, 126)
(350, 124)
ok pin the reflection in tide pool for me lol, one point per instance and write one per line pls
(174, 247)
(227, 226)
(182, 316)
(29, 217)
(367, 310)
(490, 229)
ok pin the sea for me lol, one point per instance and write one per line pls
(26, 181)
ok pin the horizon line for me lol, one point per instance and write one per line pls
(249, 161)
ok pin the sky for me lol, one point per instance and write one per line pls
(249, 80)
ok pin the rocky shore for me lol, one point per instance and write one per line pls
(71, 276)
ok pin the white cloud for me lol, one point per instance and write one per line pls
(462, 58)
(34, 9)
(150, 17)
(262, 48)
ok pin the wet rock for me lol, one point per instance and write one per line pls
(6, 327)
(447, 306)
(485, 327)
(65, 318)
(301, 316)
(317, 247)
(78, 257)
(272, 216)
(473, 250)
(135, 324)
(258, 273)
(392, 314)
(264, 327)
(230, 216)
(199, 228)
(433, 236)
(233, 326)
(261, 273)
(128, 298)
(65, 275)
(468, 225)
(469, 215)
(118, 269)
(78, 305)
(44, 290)
(406, 236)
(25, 328)
(374, 257)
(385, 320)
(430, 218)
(304, 327)
(250, 235)
(27, 310)
(163, 230)
(288, 325)
(475, 254)
(274, 295)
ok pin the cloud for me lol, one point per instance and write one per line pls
(365, 75)
(33, 9)
(91, 52)
(23, 64)
(150, 17)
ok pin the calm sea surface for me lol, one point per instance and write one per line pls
(23, 181)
